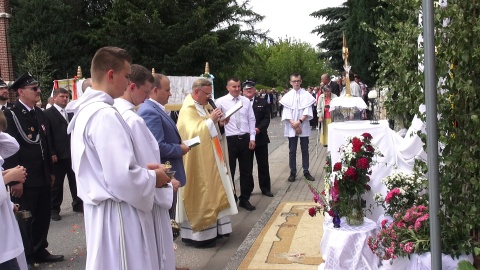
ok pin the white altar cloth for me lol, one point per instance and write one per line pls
(346, 247)
(397, 151)
(348, 102)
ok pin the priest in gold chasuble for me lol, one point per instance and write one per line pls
(206, 202)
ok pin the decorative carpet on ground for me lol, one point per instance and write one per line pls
(290, 240)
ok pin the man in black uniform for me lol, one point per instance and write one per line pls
(4, 104)
(261, 109)
(59, 142)
(27, 124)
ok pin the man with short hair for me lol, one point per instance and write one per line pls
(297, 109)
(325, 79)
(165, 131)
(262, 121)
(4, 104)
(206, 202)
(147, 151)
(28, 125)
(240, 132)
(59, 145)
(50, 102)
(116, 188)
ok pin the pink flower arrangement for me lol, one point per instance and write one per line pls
(408, 233)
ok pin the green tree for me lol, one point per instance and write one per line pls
(457, 35)
(52, 25)
(361, 43)
(178, 37)
(331, 34)
(271, 64)
(39, 64)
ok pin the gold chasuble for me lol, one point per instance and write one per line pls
(204, 195)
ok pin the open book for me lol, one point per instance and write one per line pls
(192, 142)
(233, 110)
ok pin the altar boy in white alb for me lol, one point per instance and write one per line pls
(147, 151)
(297, 111)
(117, 191)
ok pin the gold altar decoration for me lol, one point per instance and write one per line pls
(346, 66)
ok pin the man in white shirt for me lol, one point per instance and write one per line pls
(117, 190)
(297, 110)
(240, 132)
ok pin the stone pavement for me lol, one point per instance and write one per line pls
(67, 236)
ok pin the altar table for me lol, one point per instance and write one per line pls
(399, 153)
(346, 247)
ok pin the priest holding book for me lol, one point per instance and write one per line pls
(206, 202)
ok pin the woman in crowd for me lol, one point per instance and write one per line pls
(323, 112)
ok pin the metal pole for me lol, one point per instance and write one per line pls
(432, 132)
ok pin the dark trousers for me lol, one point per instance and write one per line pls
(238, 149)
(292, 146)
(64, 167)
(10, 265)
(261, 154)
(37, 200)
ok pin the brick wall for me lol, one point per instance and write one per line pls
(6, 66)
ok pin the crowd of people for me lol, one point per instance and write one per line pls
(126, 193)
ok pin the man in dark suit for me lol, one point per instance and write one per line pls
(164, 130)
(28, 125)
(261, 110)
(4, 104)
(325, 79)
(60, 153)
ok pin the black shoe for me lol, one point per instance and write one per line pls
(246, 204)
(78, 209)
(291, 178)
(56, 216)
(45, 256)
(205, 244)
(308, 176)
(267, 193)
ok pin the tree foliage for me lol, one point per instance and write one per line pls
(271, 64)
(39, 63)
(174, 37)
(331, 34)
(457, 35)
(363, 52)
(51, 25)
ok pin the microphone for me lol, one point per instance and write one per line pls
(210, 101)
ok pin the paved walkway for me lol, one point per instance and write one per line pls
(67, 236)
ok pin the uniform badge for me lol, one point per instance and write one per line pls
(32, 129)
(43, 127)
(29, 136)
(24, 111)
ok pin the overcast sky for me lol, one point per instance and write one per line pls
(287, 18)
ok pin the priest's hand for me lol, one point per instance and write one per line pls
(216, 115)
(224, 122)
(17, 190)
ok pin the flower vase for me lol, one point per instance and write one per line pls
(355, 216)
(336, 219)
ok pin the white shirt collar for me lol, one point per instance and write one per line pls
(28, 108)
(159, 105)
(60, 109)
